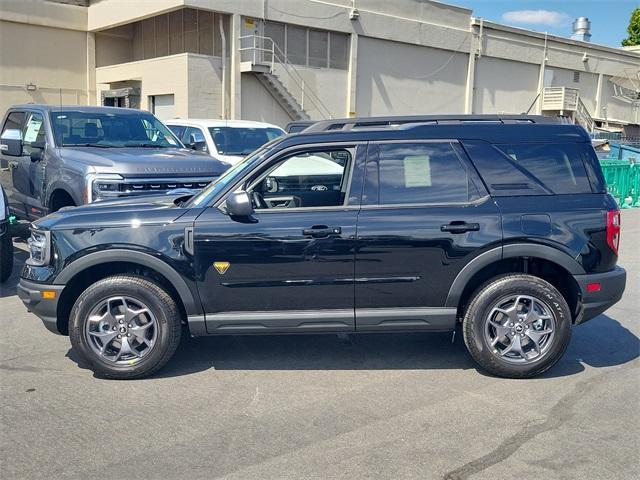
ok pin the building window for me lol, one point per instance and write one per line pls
(296, 45)
(309, 47)
(187, 30)
(338, 50)
(318, 48)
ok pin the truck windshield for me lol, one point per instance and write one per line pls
(110, 130)
(240, 140)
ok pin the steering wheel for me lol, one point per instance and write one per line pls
(258, 200)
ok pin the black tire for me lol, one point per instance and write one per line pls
(159, 303)
(477, 316)
(6, 255)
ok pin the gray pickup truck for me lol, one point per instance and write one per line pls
(59, 156)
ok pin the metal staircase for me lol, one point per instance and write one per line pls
(277, 89)
(565, 102)
(261, 57)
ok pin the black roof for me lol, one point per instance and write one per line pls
(491, 128)
(399, 121)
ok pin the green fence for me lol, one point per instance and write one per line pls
(623, 181)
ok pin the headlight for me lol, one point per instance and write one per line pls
(102, 185)
(39, 247)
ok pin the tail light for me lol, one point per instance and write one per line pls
(613, 230)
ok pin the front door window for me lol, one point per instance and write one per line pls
(308, 179)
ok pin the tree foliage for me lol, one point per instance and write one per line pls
(633, 29)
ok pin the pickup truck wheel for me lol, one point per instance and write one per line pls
(6, 256)
(517, 326)
(125, 326)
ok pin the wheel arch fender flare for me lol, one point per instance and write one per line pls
(60, 186)
(139, 258)
(515, 250)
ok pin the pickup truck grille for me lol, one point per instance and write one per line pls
(132, 188)
(104, 189)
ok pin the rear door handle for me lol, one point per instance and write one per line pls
(460, 227)
(319, 231)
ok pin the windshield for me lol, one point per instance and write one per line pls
(209, 193)
(242, 141)
(110, 130)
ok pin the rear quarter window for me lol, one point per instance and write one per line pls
(559, 167)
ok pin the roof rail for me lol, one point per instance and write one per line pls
(411, 121)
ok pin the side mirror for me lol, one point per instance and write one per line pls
(38, 150)
(11, 143)
(197, 142)
(239, 205)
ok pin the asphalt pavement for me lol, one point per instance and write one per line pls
(390, 406)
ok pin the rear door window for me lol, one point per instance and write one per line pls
(421, 173)
(558, 167)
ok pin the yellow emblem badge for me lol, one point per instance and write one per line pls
(221, 267)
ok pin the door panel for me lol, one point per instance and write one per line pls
(290, 266)
(28, 176)
(404, 259)
(424, 217)
(8, 163)
(275, 272)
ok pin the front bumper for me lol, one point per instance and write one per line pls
(612, 286)
(32, 295)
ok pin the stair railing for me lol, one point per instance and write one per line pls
(264, 51)
(584, 117)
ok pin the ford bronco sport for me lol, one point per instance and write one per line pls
(59, 156)
(500, 223)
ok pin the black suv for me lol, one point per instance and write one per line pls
(500, 223)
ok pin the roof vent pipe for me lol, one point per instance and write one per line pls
(581, 29)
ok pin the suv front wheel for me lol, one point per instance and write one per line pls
(125, 326)
(517, 326)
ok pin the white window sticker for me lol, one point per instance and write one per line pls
(33, 128)
(417, 171)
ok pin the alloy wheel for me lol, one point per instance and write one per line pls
(121, 330)
(520, 329)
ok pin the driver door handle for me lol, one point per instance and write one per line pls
(320, 231)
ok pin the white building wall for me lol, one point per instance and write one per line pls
(504, 86)
(159, 76)
(614, 108)
(325, 89)
(259, 105)
(396, 78)
(205, 86)
(587, 84)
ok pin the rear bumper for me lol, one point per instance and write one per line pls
(612, 286)
(31, 294)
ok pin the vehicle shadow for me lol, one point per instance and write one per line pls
(602, 342)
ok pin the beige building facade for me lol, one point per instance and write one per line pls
(282, 60)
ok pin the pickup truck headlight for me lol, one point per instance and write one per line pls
(39, 247)
(102, 185)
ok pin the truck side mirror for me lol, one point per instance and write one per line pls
(197, 142)
(11, 143)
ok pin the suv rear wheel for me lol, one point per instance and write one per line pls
(517, 326)
(125, 326)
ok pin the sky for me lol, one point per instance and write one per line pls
(609, 18)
